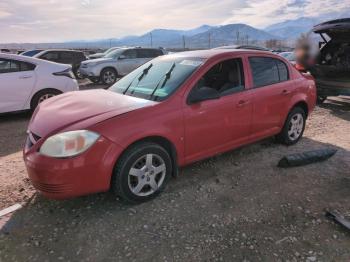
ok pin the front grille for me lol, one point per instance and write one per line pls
(32, 139)
(52, 188)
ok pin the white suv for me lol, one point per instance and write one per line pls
(117, 63)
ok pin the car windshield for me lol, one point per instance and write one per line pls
(157, 79)
(31, 52)
(109, 50)
(114, 53)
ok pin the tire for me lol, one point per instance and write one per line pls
(136, 181)
(41, 96)
(95, 80)
(109, 76)
(321, 99)
(294, 127)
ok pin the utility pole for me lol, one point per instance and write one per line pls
(150, 34)
(183, 42)
(209, 40)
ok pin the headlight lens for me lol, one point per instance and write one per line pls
(68, 144)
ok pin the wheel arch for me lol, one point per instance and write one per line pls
(302, 104)
(162, 141)
(42, 91)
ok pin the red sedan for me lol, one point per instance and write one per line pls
(170, 112)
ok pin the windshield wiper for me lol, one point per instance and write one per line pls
(144, 72)
(167, 77)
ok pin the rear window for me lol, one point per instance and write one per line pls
(268, 71)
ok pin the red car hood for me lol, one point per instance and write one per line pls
(85, 107)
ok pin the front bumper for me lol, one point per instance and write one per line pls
(62, 178)
(89, 72)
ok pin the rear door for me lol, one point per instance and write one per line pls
(272, 90)
(51, 56)
(17, 80)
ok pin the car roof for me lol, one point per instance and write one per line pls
(209, 53)
(28, 59)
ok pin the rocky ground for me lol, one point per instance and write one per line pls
(234, 207)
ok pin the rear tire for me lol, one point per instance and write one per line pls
(109, 76)
(141, 173)
(294, 127)
(41, 96)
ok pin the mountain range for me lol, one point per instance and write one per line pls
(205, 36)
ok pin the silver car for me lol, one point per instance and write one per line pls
(117, 63)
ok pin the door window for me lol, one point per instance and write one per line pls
(226, 77)
(268, 71)
(130, 54)
(50, 56)
(9, 66)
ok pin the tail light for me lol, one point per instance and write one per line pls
(68, 73)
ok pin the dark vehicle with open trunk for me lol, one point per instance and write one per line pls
(332, 67)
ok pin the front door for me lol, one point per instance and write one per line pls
(214, 126)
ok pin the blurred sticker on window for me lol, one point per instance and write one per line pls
(191, 62)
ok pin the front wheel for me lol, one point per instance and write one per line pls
(109, 76)
(142, 172)
(294, 127)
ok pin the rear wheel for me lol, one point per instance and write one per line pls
(41, 96)
(109, 76)
(142, 172)
(294, 127)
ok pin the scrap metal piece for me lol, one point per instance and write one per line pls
(306, 158)
(338, 219)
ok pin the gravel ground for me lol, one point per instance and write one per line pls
(234, 207)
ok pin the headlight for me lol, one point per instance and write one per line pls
(68, 144)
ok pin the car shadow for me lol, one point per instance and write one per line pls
(13, 128)
(47, 228)
(338, 106)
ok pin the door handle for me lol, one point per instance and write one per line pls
(25, 77)
(285, 92)
(242, 103)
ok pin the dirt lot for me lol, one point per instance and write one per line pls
(235, 207)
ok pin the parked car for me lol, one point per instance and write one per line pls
(290, 56)
(32, 52)
(63, 56)
(170, 112)
(332, 67)
(117, 63)
(250, 47)
(25, 82)
(100, 55)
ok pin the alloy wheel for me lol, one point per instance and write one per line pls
(109, 77)
(296, 126)
(146, 175)
(44, 97)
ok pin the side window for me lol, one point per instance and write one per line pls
(66, 57)
(50, 56)
(27, 66)
(130, 54)
(264, 70)
(268, 71)
(9, 66)
(282, 70)
(226, 77)
(144, 53)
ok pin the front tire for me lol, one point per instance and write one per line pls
(294, 127)
(142, 172)
(109, 76)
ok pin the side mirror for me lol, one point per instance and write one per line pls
(202, 94)
(121, 57)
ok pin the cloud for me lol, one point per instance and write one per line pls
(56, 20)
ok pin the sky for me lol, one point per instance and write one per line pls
(57, 21)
